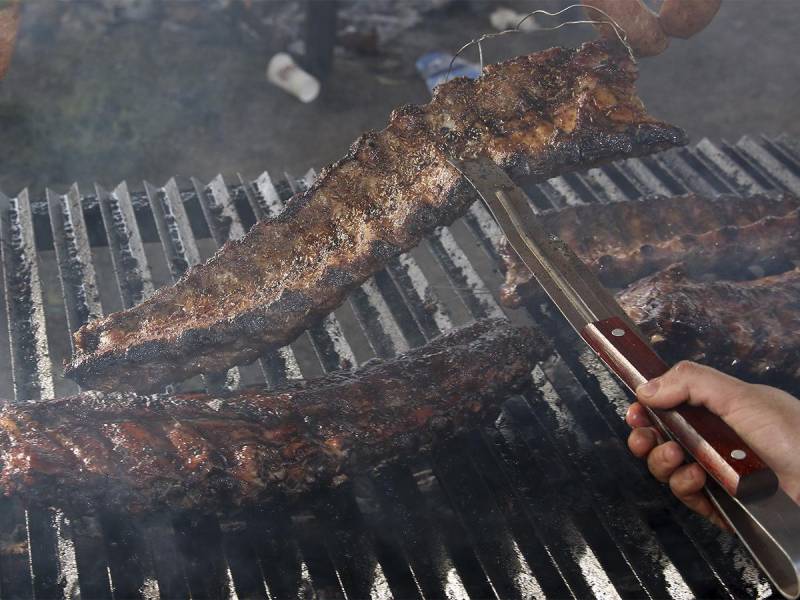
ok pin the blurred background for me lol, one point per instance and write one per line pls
(108, 90)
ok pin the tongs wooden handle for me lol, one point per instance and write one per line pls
(711, 442)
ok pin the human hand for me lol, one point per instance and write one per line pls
(766, 418)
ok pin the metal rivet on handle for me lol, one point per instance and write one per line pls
(738, 454)
(617, 332)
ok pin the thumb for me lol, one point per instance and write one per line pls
(696, 384)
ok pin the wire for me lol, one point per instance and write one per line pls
(618, 31)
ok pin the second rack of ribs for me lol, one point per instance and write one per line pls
(537, 115)
(708, 279)
(208, 452)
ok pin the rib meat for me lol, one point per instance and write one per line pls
(703, 296)
(624, 241)
(537, 115)
(203, 451)
(748, 328)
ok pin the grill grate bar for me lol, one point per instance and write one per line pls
(198, 541)
(567, 194)
(131, 268)
(645, 180)
(15, 567)
(247, 578)
(30, 356)
(50, 554)
(785, 156)
(404, 512)
(623, 183)
(745, 163)
(174, 231)
(285, 573)
(131, 569)
(602, 186)
(578, 186)
(463, 276)
(221, 216)
(494, 543)
(554, 199)
(169, 564)
(716, 160)
(425, 308)
(789, 146)
(674, 186)
(769, 163)
(350, 545)
(678, 164)
(74, 256)
(89, 550)
(709, 174)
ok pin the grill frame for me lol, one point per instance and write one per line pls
(546, 502)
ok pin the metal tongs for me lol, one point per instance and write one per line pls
(741, 486)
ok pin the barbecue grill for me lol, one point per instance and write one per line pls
(547, 502)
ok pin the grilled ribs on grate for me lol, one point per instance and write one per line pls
(204, 451)
(624, 241)
(541, 115)
(699, 296)
(746, 326)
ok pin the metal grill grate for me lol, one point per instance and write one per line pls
(547, 502)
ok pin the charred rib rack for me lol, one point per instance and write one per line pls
(203, 451)
(748, 327)
(540, 115)
(624, 241)
(727, 297)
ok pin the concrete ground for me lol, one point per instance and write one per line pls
(151, 99)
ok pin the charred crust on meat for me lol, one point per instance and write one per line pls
(199, 451)
(709, 235)
(741, 327)
(539, 115)
(336, 277)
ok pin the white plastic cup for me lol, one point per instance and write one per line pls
(287, 75)
(505, 18)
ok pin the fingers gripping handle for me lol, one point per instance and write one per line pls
(710, 441)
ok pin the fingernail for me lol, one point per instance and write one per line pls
(674, 453)
(649, 389)
(628, 412)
